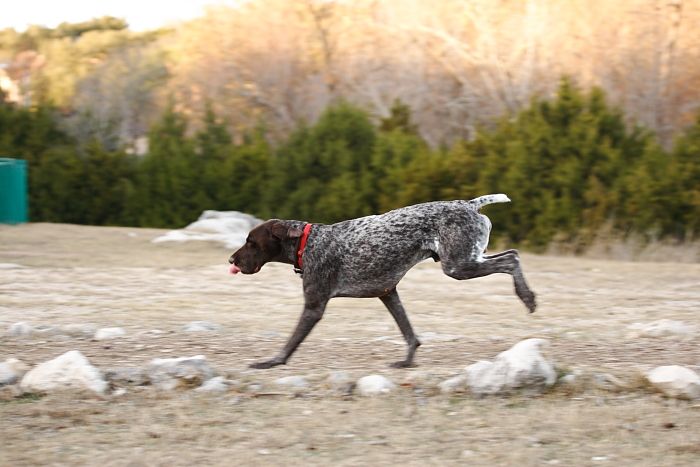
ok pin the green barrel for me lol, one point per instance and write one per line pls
(13, 191)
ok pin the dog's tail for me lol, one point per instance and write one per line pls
(477, 203)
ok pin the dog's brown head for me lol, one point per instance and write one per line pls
(265, 243)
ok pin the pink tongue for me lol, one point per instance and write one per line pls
(234, 269)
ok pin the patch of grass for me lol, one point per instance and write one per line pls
(23, 398)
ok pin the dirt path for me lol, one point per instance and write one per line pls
(60, 274)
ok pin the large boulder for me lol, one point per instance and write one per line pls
(183, 372)
(675, 381)
(69, 371)
(521, 368)
(228, 227)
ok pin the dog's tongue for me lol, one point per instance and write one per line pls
(234, 269)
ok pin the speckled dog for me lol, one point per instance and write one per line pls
(367, 257)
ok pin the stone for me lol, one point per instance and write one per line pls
(661, 328)
(183, 372)
(374, 385)
(521, 368)
(455, 384)
(69, 371)
(78, 330)
(11, 371)
(109, 333)
(292, 382)
(201, 326)
(675, 381)
(340, 382)
(20, 329)
(216, 384)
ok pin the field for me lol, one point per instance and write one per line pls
(52, 274)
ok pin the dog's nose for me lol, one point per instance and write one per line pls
(230, 260)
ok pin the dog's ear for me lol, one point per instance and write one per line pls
(282, 232)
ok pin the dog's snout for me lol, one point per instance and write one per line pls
(231, 260)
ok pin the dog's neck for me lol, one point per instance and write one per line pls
(290, 246)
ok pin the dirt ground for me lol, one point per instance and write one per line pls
(52, 274)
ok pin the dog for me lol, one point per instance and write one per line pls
(368, 256)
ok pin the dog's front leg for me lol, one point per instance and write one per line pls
(313, 311)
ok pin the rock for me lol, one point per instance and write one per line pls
(661, 328)
(675, 381)
(109, 333)
(216, 384)
(609, 382)
(227, 227)
(292, 382)
(45, 330)
(20, 329)
(455, 384)
(11, 371)
(127, 376)
(65, 372)
(522, 367)
(78, 330)
(172, 373)
(374, 385)
(201, 326)
(340, 382)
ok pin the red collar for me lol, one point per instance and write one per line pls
(302, 245)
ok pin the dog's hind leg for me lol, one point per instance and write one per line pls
(395, 307)
(507, 262)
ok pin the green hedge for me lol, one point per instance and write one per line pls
(570, 164)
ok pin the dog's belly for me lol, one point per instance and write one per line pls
(375, 278)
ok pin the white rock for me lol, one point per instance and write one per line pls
(340, 382)
(292, 382)
(228, 227)
(45, 330)
(521, 367)
(172, 373)
(11, 371)
(20, 329)
(661, 328)
(78, 330)
(374, 385)
(201, 326)
(68, 371)
(109, 333)
(675, 381)
(216, 384)
(455, 384)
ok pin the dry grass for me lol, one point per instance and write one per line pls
(116, 277)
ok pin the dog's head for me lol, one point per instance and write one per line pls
(265, 243)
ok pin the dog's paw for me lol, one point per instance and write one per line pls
(403, 364)
(266, 364)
